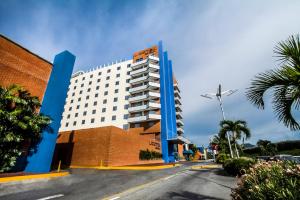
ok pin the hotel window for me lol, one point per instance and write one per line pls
(108, 71)
(105, 93)
(91, 76)
(125, 126)
(97, 88)
(107, 78)
(84, 113)
(127, 89)
(127, 97)
(126, 106)
(74, 123)
(87, 97)
(80, 92)
(96, 95)
(68, 117)
(98, 80)
(70, 108)
(137, 125)
(82, 85)
(90, 83)
(104, 101)
(128, 73)
(102, 119)
(115, 99)
(76, 81)
(73, 94)
(83, 78)
(83, 122)
(67, 124)
(116, 91)
(118, 75)
(92, 120)
(128, 65)
(86, 105)
(89, 90)
(126, 116)
(117, 82)
(114, 108)
(79, 99)
(103, 110)
(72, 101)
(113, 117)
(94, 112)
(74, 87)
(77, 107)
(118, 68)
(127, 80)
(95, 103)
(106, 85)
(76, 114)
(99, 73)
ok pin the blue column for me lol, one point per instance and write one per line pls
(53, 105)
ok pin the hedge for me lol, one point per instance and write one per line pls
(149, 155)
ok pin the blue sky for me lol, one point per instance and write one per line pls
(210, 42)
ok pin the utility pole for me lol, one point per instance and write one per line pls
(219, 97)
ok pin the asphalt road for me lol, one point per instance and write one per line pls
(174, 183)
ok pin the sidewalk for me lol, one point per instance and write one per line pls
(27, 176)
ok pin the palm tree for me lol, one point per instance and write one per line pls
(238, 128)
(284, 82)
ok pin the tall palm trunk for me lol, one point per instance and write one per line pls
(236, 150)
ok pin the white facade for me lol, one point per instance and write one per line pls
(94, 100)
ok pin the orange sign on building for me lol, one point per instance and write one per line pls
(143, 54)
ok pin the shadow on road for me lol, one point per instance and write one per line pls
(187, 195)
(208, 179)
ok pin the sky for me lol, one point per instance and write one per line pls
(209, 42)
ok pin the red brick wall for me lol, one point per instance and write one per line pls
(111, 145)
(20, 66)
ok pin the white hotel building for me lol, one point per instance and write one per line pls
(141, 92)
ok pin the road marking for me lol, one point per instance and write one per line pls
(114, 198)
(170, 177)
(51, 197)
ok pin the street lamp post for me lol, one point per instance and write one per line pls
(219, 97)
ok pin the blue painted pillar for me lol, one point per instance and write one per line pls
(53, 105)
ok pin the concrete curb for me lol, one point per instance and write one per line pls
(207, 167)
(33, 176)
(128, 167)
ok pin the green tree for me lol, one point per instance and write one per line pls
(284, 82)
(238, 128)
(267, 148)
(20, 121)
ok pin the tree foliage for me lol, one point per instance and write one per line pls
(284, 82)
(20, 121)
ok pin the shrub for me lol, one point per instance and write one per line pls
(149, 155)
(269, 180)
(235, 165)
(221, 158)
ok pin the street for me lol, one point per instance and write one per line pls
(174, 183)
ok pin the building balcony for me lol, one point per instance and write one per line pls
(179, 122)
(138, 80)
(137, 108)
(154, 75)
(177, 100)
(138, 98)
(137, 119)
(138, 89)
(153, 116)
(153, 85)
(138, 71)
(153, 105)
(153, 95)
(153, 67)
(179, 114)
(154, 58)
(176, 87)
(138, 64)
(180, 130)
